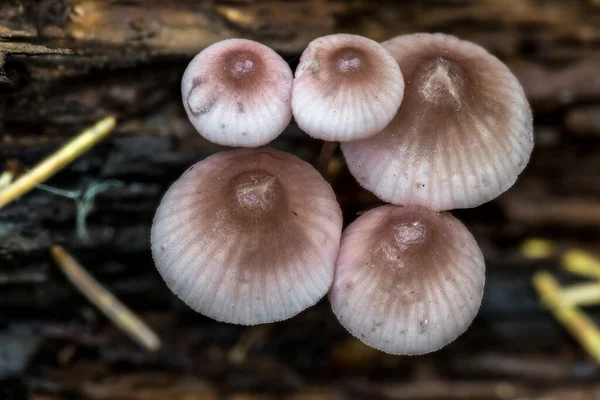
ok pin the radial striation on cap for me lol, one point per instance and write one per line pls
(237, 92)
(462, 135)
(408, 280)
(248, 236)
(346, 87)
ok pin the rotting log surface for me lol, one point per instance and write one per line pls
(127, 58)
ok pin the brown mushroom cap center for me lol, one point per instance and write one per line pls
(440, 81)
(348, 60)
(400, 241)
(401, 251)
(404, 249)
(257, 193)
(242, 64)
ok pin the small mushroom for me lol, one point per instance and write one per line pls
(408, 280)
(462, 135)
(248, 236)
(347, 87)
(237, 92)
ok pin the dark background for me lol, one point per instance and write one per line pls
(128, 58)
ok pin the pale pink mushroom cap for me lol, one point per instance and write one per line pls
(237, 92)
(408, 280)
(248, 236)
(462, 135)
(346, 87)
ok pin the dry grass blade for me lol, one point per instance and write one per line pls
(582, 263)
(581, 295)
(104, 300)
(579, 324)
(57, 161)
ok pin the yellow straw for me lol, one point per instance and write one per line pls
(582, 294)
(535, 248)
(580, 326)
(104, 300)
(57, 161)
(582, 263)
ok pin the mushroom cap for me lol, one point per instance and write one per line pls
(237, 92)
(408, 280)
(347, 87)
(461, 136)
(248, 236)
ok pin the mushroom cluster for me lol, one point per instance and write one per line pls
(427, 122)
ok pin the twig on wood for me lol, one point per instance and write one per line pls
(581, 295)
(29, 49)
(57, 161)
(104, 300)
(574, 260)
(535, 248)
(579, 324)
(23, 49)
(582, 263)
(577, 261)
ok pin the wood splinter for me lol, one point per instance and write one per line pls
(24, 49)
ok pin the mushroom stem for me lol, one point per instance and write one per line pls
(257, 334)
(574, 320)
(57, 161)
(327, 151)
(104, 300)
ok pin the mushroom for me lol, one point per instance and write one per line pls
(408, 280)
(346, 87)
(461, 136)
(237, 92)
(248, 236)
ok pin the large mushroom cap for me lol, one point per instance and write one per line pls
(248, 236)
(237, 92)
(461, 136)
(346, 87)
(408, 280)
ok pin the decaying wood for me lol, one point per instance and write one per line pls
(584, 120)
(69, 63)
